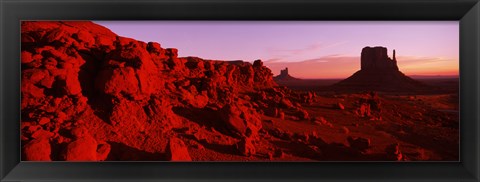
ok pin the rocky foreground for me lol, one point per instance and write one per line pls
(87, 94)
(91, 95)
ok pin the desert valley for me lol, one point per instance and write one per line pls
(91, 95)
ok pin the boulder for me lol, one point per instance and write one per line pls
(37, 150)
(82, 148)
(43, 121)
(285, 103)
(42, 134)
(177, 150)
(129, 114)
(246, 147)
(240, 119)
(303, 114)
(118, 81)
(26, 57)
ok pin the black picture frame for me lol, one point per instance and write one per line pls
(465, 11)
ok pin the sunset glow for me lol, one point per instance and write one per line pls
(314, 49)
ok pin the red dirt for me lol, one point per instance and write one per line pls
(90, 95)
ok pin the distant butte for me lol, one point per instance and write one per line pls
(380, 73)
(284, 76)
(376, 58)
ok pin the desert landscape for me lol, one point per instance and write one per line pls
(89, 94)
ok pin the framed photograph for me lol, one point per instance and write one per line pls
(239, 90)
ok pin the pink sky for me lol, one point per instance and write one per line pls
(311, 49)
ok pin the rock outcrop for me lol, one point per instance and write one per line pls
(37, 150)
(177, 150)
(130, 94)
(284, 76)
(376, 58)
(378, 73)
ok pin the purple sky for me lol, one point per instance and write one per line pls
(311, 49)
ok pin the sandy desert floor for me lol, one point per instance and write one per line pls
(425, 127)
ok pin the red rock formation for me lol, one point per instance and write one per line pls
(84, 147)
(376, 58)
(246, 147)
(284, 76)
(126, 92)
(239, 119)
(81, 149)
(378, 72)
(177, 150)
(37, 150)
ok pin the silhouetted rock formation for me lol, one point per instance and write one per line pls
(379, 72)
(376, 58)
(284, 76)
(284, 72)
